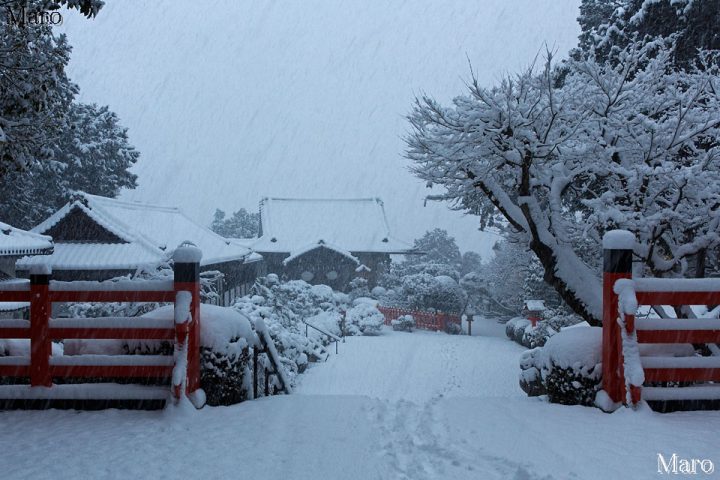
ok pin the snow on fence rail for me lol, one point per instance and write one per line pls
(428, 320)
(624, 370)
(41, 367)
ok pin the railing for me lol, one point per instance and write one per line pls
(267, 347)
(182, 369)
(333, 338)
(625, 371)
(437, 321)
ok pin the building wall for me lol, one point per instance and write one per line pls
(320, 262)
(77, 227)
(7, 266)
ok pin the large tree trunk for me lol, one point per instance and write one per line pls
(549, 262)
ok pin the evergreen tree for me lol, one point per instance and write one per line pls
(609, 26)
(36, 92)
(438, 248)
(471, 262)
(242, 224)
(93, 155)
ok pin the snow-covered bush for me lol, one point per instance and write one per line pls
(358, 288)
(225, 338)
(423, 291)
(452, 328)
(293, 347)
(209, 282)
(530, 375)
(568, 368)
(284, 307)
(327, 322)
(515, 328)
(378, 292)
(405, 323)
(520, 330)
(365, 319)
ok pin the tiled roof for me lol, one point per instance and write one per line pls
(355, 225)
(17, 242)
(96, 256)
(152, 233)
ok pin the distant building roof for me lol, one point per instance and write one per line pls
(150, 234)
(16, 242)
(357, 225)
(535, 305)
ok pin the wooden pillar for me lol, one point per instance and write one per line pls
(617, 264)
(40, 343)
(187, 278)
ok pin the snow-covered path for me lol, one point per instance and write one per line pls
(418, 367)
(399, 406)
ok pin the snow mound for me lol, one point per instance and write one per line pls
(618, 240)
(219, 326)
(367, 319)
(370, 301)
(576, 348)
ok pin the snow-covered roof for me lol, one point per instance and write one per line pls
(96, 256)
(355, 225)
(152, 233)
(535, 305)
(321, 244)
(17, 242)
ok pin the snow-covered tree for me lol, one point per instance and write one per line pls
(242, 224)
(501, 286)
(36, 92)
(93, 154)
(471, 262)
(437, 247)
(559, 159)
(440, 256)
(609, 26)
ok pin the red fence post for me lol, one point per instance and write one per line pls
(617, 264)
(187, 278)
(40, 343)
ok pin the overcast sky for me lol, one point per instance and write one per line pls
(230, 101)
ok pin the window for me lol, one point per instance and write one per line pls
(307, 275)
(331, 275)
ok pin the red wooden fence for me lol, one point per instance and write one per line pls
(427, 320)
(40, 292)
(622, 332)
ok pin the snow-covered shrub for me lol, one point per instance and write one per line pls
(568, 368)
(378, 292)
(225, 338)
(294, 348)
(423, 291)
(327, 322)
(358, 288)
(368, 300)
(284, 307)
(520, 330)
(405, 323)
(515, 328)
(452, 328)
(510, 327)
(538, 336)
(209, 282)
(364, 318)
(530, 375)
